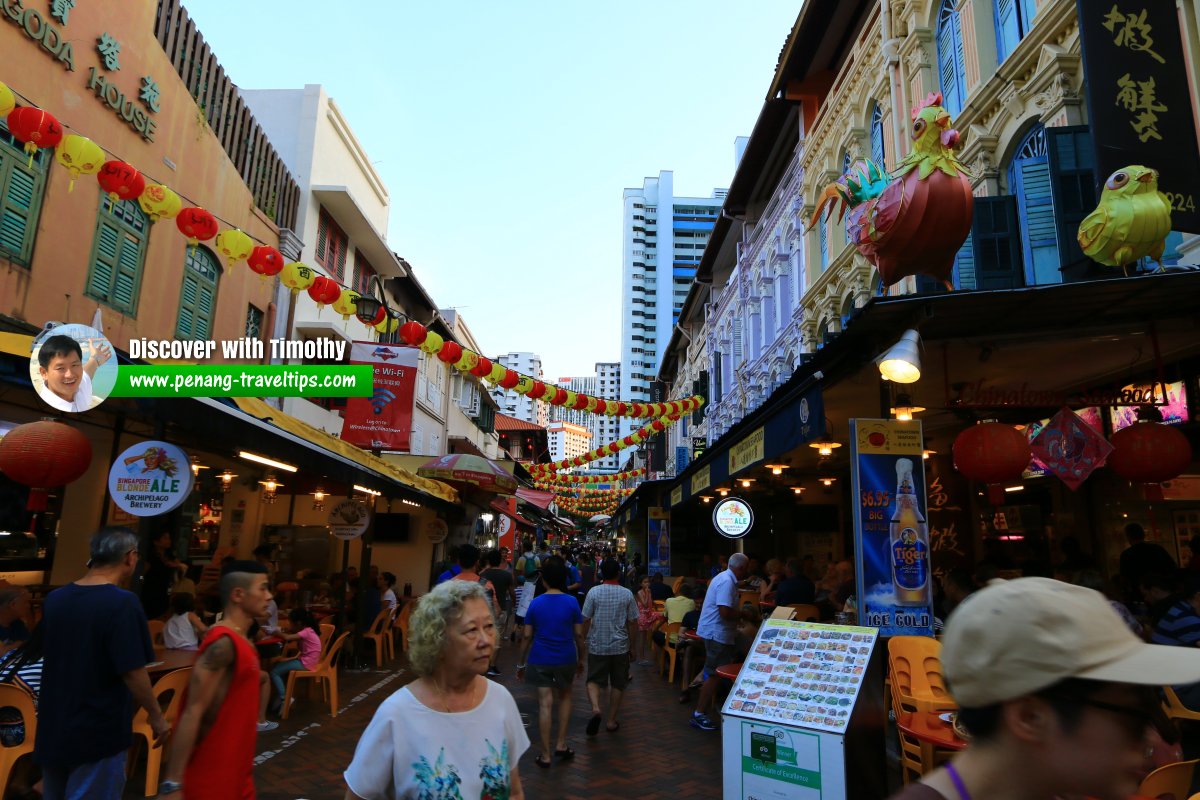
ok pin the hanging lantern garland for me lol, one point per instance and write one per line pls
(159, 202)
(79, 155)
(121, 181)
(234, 245)
(616, 477)
(265, 261)
(34, 128)
(196, 224)
(8, 101)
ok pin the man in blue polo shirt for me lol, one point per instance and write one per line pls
(1180, 626)
(718, 629)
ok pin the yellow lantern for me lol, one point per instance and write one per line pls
(571, 398)
(297, 277)
(591, 405)
(159, 202)
(432, 344)
(550, 392)
(8, 100)
(234, 245)
(389, 325)
(345, 305)
(78, 154)
(497, 373)
(524, 385)
(467, 362)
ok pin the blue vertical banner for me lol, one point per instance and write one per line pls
(658, 544)
(891, 532)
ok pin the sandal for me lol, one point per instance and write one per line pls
(565, 754)
(616, 726)
(593, 725)
(543, 764)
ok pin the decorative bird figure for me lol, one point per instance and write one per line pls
(1131, 222)
(916, 221)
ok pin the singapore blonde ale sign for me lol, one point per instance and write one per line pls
(733, 518)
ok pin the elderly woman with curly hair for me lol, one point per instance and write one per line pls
(451, 733)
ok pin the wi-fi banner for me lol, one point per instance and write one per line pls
(382, 421)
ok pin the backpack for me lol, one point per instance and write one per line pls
(531, 567)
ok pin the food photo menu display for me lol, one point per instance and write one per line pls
(803, 674)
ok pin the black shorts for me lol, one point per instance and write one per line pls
(609, 670)
(717, 654)
(554, 676)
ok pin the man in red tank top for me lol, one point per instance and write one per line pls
(212, 752)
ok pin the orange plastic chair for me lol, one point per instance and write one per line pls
(325, 672)
(21, 700)
(678, 582)
(1172, 782)
(401, 622)
(168, 690)
(326, 634)
(806, 612)
(156, 631)
(380, 637)
(1175, 708)
(669, 650)
(915, 672)
(748, 598)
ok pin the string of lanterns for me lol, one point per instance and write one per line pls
(540, 471)
(37, 129)
(556, 480)
(581, 491)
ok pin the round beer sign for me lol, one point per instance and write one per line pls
(150, 478)
(733, 517)
(349, 519)
(504, 525)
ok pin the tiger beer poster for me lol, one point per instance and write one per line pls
(891, 531)
(382, 421)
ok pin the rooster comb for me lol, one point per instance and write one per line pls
(931, 99)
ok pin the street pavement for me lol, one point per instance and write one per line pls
(655, 754)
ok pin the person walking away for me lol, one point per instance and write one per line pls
(648, 617)
(610, 616)
(306, 632)
(212, 755)
(502, 580)
(718, 628)
(1058, 695)
(527, 565)
(97, 646)
(553, 648)
(468, 559)
(450, 733)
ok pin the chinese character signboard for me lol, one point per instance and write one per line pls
(1139, 105)
(891, 532)
(384, 420)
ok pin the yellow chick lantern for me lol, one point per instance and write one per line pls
(1131, 222)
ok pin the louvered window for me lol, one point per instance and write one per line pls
(951, 62)
(1014, 18)
(331, 246)
(1029, 182)
(878, 155)
(118, 254)
(21, 192)
(198, 299)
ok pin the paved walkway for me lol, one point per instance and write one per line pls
(656, 754)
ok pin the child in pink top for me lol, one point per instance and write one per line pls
(305, 631)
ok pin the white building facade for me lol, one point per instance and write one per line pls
(568, 440)
(520, 406)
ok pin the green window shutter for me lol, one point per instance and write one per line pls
(322, 236)
(104, 261)
(21, 191)
(124, 294)
(198, 296)
(187, 301)
(118, 253)
(204, 309)
(996, 243)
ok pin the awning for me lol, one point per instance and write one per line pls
(536, 497)
(500, 507)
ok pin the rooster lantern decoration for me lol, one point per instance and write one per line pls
(1131, 222)
(916, 220)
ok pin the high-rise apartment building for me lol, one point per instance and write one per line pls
(520, 406)
(568, 440)
(606, 383)
(664, 237)
(582, 385)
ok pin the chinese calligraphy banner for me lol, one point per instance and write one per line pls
(1138, 103)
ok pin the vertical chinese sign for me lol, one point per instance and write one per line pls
(891, 532)
(382, 421)
(1138, 101)
(658, 544)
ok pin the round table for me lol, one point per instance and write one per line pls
(929, 728)
(729, 671)
(169, 660)
(695, 637)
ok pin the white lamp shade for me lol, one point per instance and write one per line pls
(902, 363)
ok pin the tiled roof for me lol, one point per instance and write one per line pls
(507, 423)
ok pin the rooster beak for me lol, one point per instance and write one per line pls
(942, 119)
(1147, 177)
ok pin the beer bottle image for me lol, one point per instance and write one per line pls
(909, 539)
(664, 547)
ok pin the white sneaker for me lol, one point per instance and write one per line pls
(267, 726)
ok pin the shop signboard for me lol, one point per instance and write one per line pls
(382, 421)
(150, 478)
(700, 481)
(349, 519)
(891, 531)
(792, 704)
(733, 517)
(1139, 108)
(658, 542)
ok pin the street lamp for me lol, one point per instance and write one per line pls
(368, 304)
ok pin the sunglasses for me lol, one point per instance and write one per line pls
(1136, 719)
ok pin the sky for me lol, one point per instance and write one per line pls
(506, 132)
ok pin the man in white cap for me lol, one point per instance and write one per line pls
(1058, 695)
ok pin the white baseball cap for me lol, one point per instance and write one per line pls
(1014, 638)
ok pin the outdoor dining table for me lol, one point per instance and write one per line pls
(729, 671)
(168, 660)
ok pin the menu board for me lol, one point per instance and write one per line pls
(803, 674)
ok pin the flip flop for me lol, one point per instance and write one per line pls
(616, 726)
(593, 725)
(543, 764)
(565, 755)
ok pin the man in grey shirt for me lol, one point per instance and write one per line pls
(610, 619)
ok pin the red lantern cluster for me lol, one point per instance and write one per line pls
(992, 453)
(43, 455)
(1149, 452)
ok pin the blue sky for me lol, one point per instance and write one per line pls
(505, 133)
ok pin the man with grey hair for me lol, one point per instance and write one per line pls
(97, 646)
(718, 628)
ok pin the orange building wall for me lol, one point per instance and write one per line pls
(54, 286)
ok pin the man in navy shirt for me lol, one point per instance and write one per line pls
(97, 646)
(796, 587)
(1180, 626)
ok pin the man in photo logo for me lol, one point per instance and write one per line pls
(68, 381)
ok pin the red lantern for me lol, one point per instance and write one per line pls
(483, 368)
(538, 390)
(265, 260)
(196, 224)
(379, 317)
(324, 291)
(1149, 452)
(992, 453)
(510, 379)
(622, 409)
(413, 333)
(43, 455)
(121, 181)
(560, 397)
(450, 353)
(34, 127)
(581, 401)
